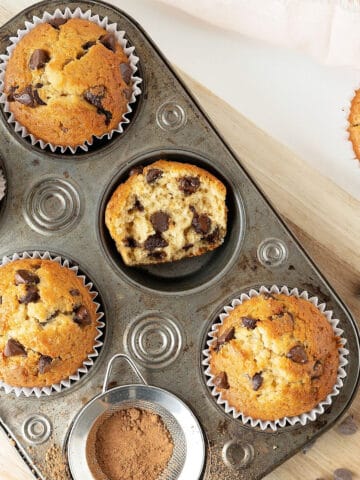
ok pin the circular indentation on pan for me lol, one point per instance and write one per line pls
(237, 455)
(154, 340)
(189, 274)
(272, 252)
(171, 116)
(36, 429)
(52, 205)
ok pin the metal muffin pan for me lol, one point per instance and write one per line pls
(160, 316)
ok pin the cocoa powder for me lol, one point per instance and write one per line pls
(131, 444)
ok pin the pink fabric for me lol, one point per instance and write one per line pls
(329, 30)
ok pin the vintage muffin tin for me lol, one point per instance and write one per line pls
(159, 315)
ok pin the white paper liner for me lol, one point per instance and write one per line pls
(104, 23)
(281, 422)
(89, 362)
(2, 185)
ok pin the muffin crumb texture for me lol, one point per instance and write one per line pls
(165, 212)
(67, 81)
(274, 356)
(47, 323)
(131, 444)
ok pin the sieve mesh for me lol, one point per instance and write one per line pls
(177, 460)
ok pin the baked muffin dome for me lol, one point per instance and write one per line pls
(67, 81)
(274, 356)
(354, 123)
(47, 323)
(165, 212)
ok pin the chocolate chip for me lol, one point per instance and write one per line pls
(130, 242)
(297, 354)
(126, 72)
(88, 45)
(108, 115)
(38, 59)
(0, 300)
(155, 241)
(39, 85)
(74, 292)
(342, 474)
(44, 363)
(347, 426)
(153, 174)
(10, 95)
(268, 295)
(37, 98)
(160, 221)
(221, 381)
(201, 223)
(94, 96)
(14, 348)
(82, 316)
(188, 246)
(25, 97)
(109, 41)
(318, 370)
(136, 170)
(57, 22)
(249, 323)
(158, 255)
(214, 236)
(257, 381)
(127, 92)
(138, 205)
(31, 295)
(225, 337)
(188, 184)
(25, 277)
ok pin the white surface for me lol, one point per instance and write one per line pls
(287, 94)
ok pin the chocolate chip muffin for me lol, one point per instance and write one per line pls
(354, 124)
(47, 323)
(165, 212)
(68, 80)
(274, 356)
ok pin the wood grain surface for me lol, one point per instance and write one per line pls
(327, 222)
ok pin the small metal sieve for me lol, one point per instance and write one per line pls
(189, 447)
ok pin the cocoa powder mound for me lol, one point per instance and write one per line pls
(133, 444)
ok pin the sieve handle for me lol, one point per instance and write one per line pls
(130, 362)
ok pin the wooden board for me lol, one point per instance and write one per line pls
(327, 222)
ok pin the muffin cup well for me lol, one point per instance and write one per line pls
(89, 362)
(68, 14)
(2, 185)
(281, 422)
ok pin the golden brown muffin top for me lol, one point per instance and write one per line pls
(68, 82)
(354, 123)
(47, 323)
(274, 356)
